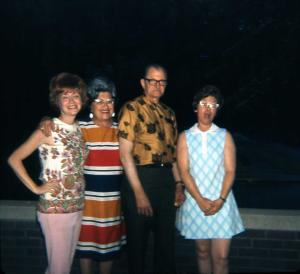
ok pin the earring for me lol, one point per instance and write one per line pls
(113, 114)
(91, 115)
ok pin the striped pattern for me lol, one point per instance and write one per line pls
(102, 232)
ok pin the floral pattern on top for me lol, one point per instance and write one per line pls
(63, 162)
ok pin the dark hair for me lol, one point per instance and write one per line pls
(65, 80)
(155, 66)
(208, 90)
(99, 84)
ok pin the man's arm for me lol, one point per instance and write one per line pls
(142, 201)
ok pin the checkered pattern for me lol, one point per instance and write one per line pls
(206, 154)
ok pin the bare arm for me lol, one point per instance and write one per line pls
(142, 201)
(183, 164)
(179, 192)
(16, 162)
(229, 166)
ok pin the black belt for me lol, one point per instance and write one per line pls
(157, 165)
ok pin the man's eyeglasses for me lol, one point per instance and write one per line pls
(204, 104)
(154, 82)
(104, 101)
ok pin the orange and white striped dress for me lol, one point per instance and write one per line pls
(102, 231)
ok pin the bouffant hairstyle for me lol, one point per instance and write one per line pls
(99, 84)
(65, 80)
(207, 90)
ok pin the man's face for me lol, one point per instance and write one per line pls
(154, 83)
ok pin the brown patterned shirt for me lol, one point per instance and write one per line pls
(152, 128)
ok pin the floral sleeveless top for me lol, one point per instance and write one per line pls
(63, 162)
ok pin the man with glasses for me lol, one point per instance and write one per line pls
(152, 188)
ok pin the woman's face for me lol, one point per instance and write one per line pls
(103, 107)
(70, 102)
(207, 110)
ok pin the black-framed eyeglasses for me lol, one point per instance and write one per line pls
(154, 82)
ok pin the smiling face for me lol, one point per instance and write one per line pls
(69, 102)
(103, 107)
(154, 83)
(206, 112)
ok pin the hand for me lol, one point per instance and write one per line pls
(179, 195)
(52, 186)
(206, 205)
(216, 206)
(143, 205)
(46, 125)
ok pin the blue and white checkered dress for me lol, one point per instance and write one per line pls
(206, 159)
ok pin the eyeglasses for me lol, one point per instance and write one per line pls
(154, 82)
(104, 101)
(204, 104)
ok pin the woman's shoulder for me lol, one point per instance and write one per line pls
(192, 130)
(133, 102)
(114, 124)
(83, 123)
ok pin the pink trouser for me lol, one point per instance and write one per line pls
(61, 232)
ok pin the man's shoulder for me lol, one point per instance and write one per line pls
(136, 100)
(134, 104)
(169, 109)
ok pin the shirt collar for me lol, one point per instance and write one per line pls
(196, 129)
(148, 101)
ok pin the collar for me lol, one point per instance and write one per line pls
(148, 101)
(65, 125)
(196, 129)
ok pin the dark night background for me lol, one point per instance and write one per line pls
(248, 48)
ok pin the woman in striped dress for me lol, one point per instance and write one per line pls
(102, 232)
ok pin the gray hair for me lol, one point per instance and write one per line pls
(99, 84)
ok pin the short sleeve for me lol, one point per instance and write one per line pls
(128, 122)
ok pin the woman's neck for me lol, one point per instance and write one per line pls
(67, 119)
(104, 123)
(204, 127)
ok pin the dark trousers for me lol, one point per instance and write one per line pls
(159, 186)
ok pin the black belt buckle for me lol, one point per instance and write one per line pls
(158, 165)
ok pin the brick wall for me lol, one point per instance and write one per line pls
(256, 250)
(22, 247)
(252, 251)
(266, 251)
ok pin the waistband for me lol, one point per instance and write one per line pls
(156, 165)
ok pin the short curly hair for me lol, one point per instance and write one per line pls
(207, 90)
(66, 80)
